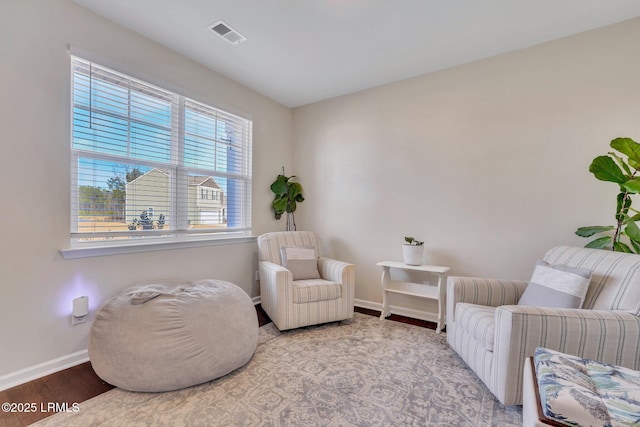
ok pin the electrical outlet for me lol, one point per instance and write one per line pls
(80, 311)
(257, 276)
(77, 320)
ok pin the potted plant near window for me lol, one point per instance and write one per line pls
(412, 251)
(287, 196)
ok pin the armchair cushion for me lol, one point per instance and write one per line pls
(315, 290)
(301, 261)
(556, 286)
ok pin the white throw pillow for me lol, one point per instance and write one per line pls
(557, 286)
(301, 261)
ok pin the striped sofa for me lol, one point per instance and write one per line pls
(296, 303)
(494, 336)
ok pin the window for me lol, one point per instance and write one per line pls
(141, 153)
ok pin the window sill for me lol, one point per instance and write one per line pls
(93, 251)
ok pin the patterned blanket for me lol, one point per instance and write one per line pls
(583, 392)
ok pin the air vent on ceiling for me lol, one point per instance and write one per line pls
(227, 33)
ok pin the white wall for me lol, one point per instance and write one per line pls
(486, 162)
(36, 283)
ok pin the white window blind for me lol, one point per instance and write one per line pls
(144, 157)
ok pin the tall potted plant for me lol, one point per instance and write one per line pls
(288, 194)
(621, 168)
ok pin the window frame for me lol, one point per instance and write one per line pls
(180, 233)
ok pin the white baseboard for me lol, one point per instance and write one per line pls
(43, 369)
(367, 304)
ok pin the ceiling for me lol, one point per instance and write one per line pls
(302, 51)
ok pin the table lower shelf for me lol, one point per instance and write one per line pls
(413, 289)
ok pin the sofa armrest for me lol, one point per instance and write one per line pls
(275, 285)
(475, 290)
(271, 270)
(337, 271)
(490, 292)
(274, 275)
(608, 336)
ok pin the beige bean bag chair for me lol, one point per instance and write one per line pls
(166, 336)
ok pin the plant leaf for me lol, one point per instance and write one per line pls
(295, 189)
(634, 218)
(633, 185)
(600, 243)
(621, 247)
(627, 146)
(279, 186)
(605, 169)
(621, 163)
(633, 231)
(636, 246)
(594, 229)
(279, 205)
(622, 207)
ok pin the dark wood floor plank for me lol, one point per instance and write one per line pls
(263, 318)
(69, 386)
(83, 381)
(398, 318)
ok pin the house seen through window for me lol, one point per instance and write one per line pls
(148, 163)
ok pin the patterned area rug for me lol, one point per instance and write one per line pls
(363, 372)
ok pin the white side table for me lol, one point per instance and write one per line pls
(435, 292)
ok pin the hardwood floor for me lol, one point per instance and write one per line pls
(73, 385)
(401, 319)
(44, 396)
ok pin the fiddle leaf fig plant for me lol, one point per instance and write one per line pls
(288, 194)
(622, 168)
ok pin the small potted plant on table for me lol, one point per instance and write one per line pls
(412, 251)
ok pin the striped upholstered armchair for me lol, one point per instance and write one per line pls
(494, 335)
(299, 287)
